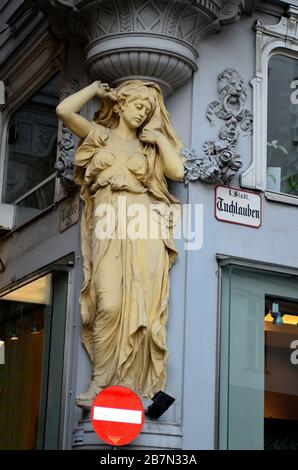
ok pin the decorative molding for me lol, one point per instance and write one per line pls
(221, 160)
(57, 12)
(282, 36)
(169, 62)
(270, 8)
(35, 65)
(281, 197)
(231, 11)
(145, 39)
(66, 147)
(125, 39)
(22, 16)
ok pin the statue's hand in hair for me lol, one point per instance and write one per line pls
(103, 90)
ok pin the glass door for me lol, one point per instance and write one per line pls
(32, 323)
(242, 399)
(281, 374)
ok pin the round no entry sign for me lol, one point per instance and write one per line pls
(117, 415)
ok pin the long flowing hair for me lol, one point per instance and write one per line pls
(158, 118)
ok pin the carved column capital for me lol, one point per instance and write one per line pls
(146, 39)
(125, 39)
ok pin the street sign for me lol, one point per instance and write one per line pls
(117, 415)
(237, 206)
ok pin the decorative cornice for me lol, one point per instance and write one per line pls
(287, 28)
(269, 7)
(38, 60)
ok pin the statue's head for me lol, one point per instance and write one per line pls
(138, 94)
(136, 102)
(132, 97)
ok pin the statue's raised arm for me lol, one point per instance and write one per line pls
(68, 109)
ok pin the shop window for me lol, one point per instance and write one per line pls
(32, 323)
(258, 397)
(282, 133)
(29, 174)
(281, 377)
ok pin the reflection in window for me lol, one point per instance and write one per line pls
(282, 138)
(32, 140)
(23, 322)
(35, 202)
(281, 377)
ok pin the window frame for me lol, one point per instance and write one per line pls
(264, 268)
(52, 430)
(4, 149)
(271, 40)
(22, 80)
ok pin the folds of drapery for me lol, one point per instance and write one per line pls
(158, 193)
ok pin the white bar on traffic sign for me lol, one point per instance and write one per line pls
(118, 415)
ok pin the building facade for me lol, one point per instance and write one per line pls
(229, 74)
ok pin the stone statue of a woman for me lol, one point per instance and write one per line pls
(124, 157)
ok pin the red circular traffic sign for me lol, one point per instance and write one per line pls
(117, 415)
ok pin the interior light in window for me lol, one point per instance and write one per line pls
(14, 336)
(34, 329)
(37, 292)
(276, 314)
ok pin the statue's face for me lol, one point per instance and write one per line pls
(135, 112)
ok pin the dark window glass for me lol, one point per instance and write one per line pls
(35, 203)
(32, 141)
(282, 139)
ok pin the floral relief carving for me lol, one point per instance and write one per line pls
(221, 160)
(66, 147)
